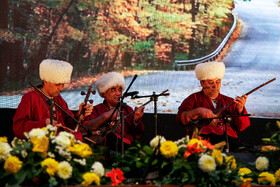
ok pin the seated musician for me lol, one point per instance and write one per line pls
(110, 86)
(34, 109)
(202, 104)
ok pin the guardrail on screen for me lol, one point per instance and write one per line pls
(211, 56)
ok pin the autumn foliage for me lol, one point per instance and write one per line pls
(106, 35)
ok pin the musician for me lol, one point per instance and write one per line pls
(110, 86)
(202, 104)
(34, 108)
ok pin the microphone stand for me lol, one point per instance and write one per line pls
(121, 112)
(51, 109)
(51, 104)
(154, 98)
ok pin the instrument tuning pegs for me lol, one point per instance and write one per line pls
(90, 101)
(93, 92)
(83, 93)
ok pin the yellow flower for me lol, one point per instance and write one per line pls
(278, 124)
(3, 139)
(52, 166)
(193, 141)
(262, 163)
(12, 165)
(89, 178)
(82, 150)
(207, 163)
(244, 171)
(277, 175)
(169, 149)
(65, 170)
(230, 160)
(40, 145)
(217, 155)
(266, 177)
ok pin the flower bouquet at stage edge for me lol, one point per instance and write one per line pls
(46, 159)
(186, 161)
(198, 162)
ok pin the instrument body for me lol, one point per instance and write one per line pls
(100, 133)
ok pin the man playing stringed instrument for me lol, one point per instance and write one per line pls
(110, 86)
(34, 110)
(203, 104)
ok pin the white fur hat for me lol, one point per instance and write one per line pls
(55, 71)
(109, 80)
(210, 70)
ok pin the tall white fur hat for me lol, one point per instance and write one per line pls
(55, 71)
(109, 80)
(210, 70)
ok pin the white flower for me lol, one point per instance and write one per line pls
(207, 163)
(62, 151)
(65, 170)
(262, 163)
(51, 155)
(62, 140)
(183, 146)
(5, 149)
(156, 140)
(24, 153)
(98, 169)
(39, 133)
(67, 134)
(183, 140)
(16, 141)
(80, 161)
(51, 128)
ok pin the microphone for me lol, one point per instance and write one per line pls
(130, 94)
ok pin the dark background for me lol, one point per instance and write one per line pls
(167, 127)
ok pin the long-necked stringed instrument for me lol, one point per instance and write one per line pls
(103, 130)
(89, 91)
(65, 112)
(217, 112)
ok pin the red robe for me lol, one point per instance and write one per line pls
(132, 130)
(199, 99)
(33, 111)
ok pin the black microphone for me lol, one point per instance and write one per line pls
(130, 94)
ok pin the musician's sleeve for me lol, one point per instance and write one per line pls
(243, 122)
(187, 104)
(27, 116)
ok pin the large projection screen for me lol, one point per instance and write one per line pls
(144, 38)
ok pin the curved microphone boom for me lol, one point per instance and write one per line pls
(130, 94)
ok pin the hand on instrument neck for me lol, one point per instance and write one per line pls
(240, 103)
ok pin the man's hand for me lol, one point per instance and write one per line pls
(205, 112)
(240, 103)
(48, 121)
(195, 113)
(88, 109)
(139, 112)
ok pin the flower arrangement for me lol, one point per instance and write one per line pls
(46, 159)
(198, 162)
(186, 161)
(266, 168)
